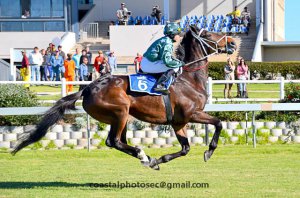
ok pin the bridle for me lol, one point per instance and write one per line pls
(204, 43)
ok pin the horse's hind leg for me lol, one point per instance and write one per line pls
(117, 140)
(185, 147)
(204, 118)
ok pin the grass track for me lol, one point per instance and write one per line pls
(233, 171)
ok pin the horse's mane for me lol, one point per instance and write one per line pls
(180, 51)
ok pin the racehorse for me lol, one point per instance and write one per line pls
(109, 100)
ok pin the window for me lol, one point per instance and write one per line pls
(11, 26)
(55, 26)
(40, 8)
(10, 8)
(33, 26)
(57, 8)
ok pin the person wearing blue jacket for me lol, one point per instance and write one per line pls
(57, 62)
(158, 58)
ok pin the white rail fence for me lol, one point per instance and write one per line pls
(210, 90)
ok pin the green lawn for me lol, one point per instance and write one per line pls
(233, 171)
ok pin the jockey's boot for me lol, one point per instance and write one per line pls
(163, 79)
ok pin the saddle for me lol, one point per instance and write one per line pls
(144, 83)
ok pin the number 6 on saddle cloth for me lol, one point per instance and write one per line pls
(145, 83)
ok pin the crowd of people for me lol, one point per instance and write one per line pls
(242, 72)
(53, 64)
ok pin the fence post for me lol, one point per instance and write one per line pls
(209, 90)
(88, 127)
(253, 129)
(63, 87)
(206, 135)
(281, 88)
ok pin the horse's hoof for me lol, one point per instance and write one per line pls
(153, 164)
(206, 156)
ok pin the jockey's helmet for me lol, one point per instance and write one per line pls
(172, 29)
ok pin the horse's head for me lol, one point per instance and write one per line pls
(200, 44)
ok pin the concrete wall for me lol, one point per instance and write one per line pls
(215, 7)
(274, 20)
(274, 54)
(280, 18)
(26, 40)
(128, 40)
(5, 70)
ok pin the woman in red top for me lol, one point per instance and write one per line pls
(97, 64)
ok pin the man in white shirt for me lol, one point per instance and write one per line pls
(122, 14)
(36, 60)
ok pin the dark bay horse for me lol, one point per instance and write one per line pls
(109, 100)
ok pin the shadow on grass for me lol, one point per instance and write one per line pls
(20, 185)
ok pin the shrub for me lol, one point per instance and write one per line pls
(17, 96)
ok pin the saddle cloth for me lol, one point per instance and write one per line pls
(145, 83)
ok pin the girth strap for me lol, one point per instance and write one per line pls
(168, 108)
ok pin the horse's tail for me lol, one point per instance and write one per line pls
(53, 115)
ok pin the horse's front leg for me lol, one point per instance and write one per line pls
(180, 132)
(204, 118)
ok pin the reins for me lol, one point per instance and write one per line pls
(188, 69)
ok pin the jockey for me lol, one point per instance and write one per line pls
(158, 58)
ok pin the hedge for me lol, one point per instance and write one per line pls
(17, 96)
(216, 69)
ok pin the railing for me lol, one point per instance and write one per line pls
(210, 83)
(282, 82)
(92, 30)
(208, 108)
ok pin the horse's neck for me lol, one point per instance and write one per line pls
(196, 79)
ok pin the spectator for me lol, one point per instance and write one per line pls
(83, 55)
(36, 60)
(25, 69)
(235, 14)
(89, 54)
(26, 14)
(57, 62)
(76, 59)
(112, 61)
(69, 65)
(246, 17)
(43, 68)
(105, 67)
(83, 70)
(156, 12)
(137, 63)
(123, 14)
(229, 75)
(242, 73)
(62, 53)
(97, 64)
(246, 14)
(48, 69)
